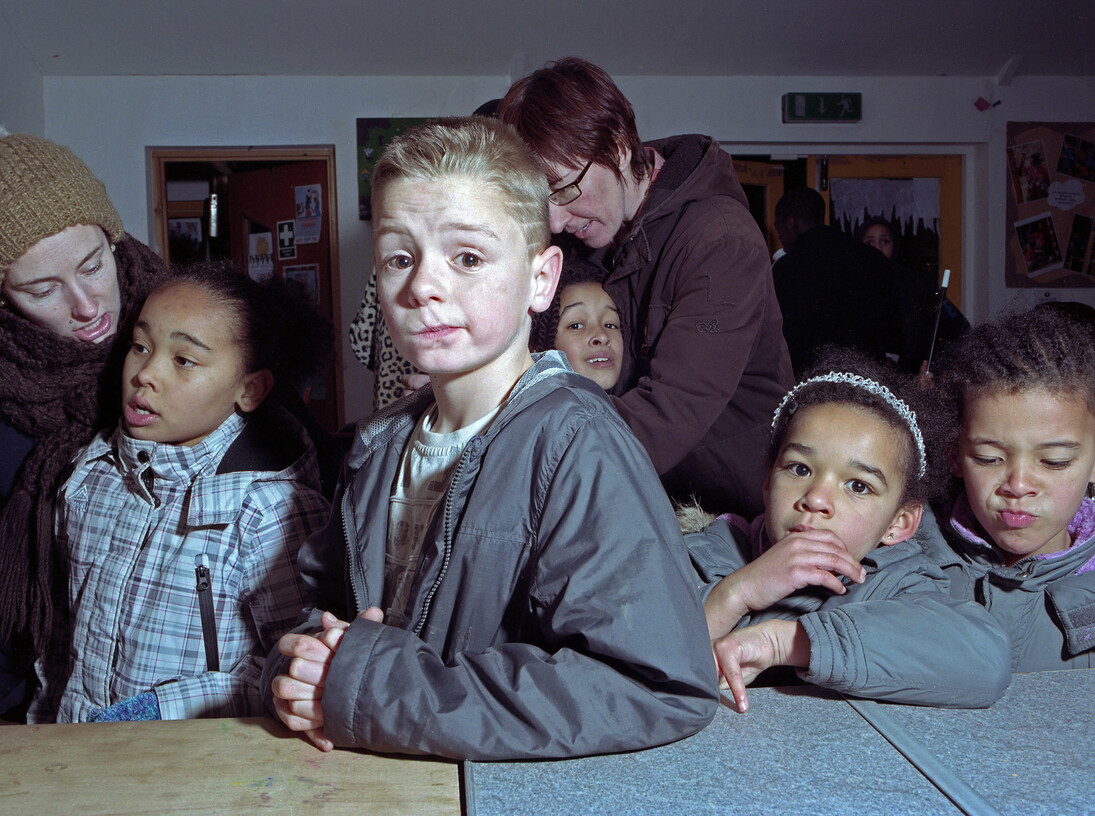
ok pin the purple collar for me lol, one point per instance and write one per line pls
(1080, 529)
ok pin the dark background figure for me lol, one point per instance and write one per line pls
(918, 300)
(832, 289)
(705, 363)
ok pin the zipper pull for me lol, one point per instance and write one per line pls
(204, 589)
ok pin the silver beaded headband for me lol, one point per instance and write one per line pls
(879, 390)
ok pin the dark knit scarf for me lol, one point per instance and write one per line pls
(59, 391)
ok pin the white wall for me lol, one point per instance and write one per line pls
(110, 121)
(22, 109)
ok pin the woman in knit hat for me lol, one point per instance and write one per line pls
(70, 277)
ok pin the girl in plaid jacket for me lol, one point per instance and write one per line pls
(181, 528)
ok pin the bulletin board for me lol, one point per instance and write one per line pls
(1050, 204)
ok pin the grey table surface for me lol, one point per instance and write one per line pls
(798, 750)
(1032, 752)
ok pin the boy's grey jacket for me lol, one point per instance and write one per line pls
(898, 636)
(556, 613)
(1046, 603)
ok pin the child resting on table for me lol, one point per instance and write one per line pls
(200, 474)
(512, 572)
(583, 322)
(1020, 535)
(827, 579)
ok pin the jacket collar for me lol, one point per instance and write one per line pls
(169, 462)
(399, 417)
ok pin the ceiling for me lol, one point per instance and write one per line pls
(981, 38)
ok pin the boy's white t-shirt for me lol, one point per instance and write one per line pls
(424, 473)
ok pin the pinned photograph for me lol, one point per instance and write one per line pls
(1077, 158)
(1079, 244)
(1038, 244)
(184, 233)
(306, 276)
(1029, 171)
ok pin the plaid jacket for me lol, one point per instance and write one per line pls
(133, 518)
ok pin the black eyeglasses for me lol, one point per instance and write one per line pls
(564, 195)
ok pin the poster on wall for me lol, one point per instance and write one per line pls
(373, 135)
(307, 277)
(287, 242)
(186, 229)
(309, 214)
(1050, 204)
(260, 256)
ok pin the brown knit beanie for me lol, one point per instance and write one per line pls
(44, 189)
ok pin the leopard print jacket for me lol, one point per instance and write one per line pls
(373, 347)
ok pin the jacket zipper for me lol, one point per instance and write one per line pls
(446, 556)
(357, 586)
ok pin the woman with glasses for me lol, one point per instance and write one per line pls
(706, 362)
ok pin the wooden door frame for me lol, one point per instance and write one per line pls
(159, 157)
(769, 176)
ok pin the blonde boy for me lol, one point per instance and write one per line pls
(517, 574)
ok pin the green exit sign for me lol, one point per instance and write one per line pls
(822, 107)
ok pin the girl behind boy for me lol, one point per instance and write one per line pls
(199, 476)
(1019, 537)
(583, 322)
(827, 579)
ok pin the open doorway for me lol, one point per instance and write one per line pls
(921, 195)
(271, 212)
